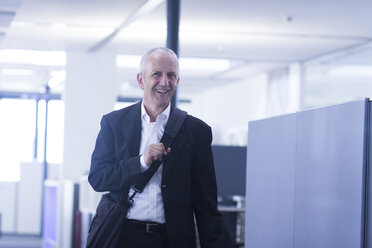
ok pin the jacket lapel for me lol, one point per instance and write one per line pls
(133, 132)
(132, 135)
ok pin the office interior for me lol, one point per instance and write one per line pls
(245, 67)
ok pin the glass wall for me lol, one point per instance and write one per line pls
(22, 134)
(55, 133)
(17, 135)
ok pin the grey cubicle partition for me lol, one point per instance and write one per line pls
(307, 177)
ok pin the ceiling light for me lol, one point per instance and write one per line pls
(23, 24)
(129, 61)
(56, 25)
(195, 64)
(33, 57)
(351, 71)
(202, 64)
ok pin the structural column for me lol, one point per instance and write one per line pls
(173, 23)
(295, 87)
(90, 92)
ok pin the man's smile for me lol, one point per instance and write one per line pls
(162, 91)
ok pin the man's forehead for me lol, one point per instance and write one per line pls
(164, 69)
(162, 55)
(162, 63)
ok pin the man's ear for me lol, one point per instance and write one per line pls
(140, 81)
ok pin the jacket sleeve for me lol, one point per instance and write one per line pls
(107, 173)
(204, 192)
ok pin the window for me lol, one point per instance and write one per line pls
(17, 136)
(55, 134)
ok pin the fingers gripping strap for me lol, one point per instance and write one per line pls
(174, 124)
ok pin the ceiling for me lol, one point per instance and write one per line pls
(254, 36)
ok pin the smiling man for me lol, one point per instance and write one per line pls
(183, 187)
(158, 78)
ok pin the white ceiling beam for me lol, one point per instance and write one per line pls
(144, 9)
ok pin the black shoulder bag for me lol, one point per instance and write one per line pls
(106, 226)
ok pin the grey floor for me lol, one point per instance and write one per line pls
(19, 241)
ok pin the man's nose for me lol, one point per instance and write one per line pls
(164, 80)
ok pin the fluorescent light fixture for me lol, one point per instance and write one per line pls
(128, 61)
(33, 57)
(189, 64)
(202, 64)
(23, 24)
(351, 71)
(56, 78)
(17, 72)
(56, 25)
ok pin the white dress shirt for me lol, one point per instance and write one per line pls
(148, 205)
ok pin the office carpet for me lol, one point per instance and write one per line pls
(20, 241)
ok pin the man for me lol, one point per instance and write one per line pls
(183, 186)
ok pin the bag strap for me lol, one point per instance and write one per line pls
(174, 124)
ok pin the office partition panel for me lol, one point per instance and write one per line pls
(329, 198)
(306, 178)
(270, 183)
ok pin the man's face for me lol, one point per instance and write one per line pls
(160, 80)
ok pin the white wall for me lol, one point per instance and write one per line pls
(8, 193)
(229, 108)
(29, 199)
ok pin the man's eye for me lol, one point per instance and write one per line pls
(156, 74)
(172, 75)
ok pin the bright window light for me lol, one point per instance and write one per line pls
(196, 64)
(55, 134)
(10, 170)
(17, 72)
(56, 78)
(33, 57)
(17, 132)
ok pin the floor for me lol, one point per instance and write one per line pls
(20, 241)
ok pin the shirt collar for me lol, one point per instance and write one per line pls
(161, 117)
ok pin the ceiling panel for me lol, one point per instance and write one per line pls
(6, 18)
(10, 3)
(360, 57)
(258, 35)
(107, 13)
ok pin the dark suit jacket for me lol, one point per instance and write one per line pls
(188, 181)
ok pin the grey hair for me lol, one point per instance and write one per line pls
(157, 49)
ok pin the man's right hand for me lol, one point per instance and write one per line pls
(155, 152)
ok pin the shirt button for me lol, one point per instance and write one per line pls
(164, 186)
